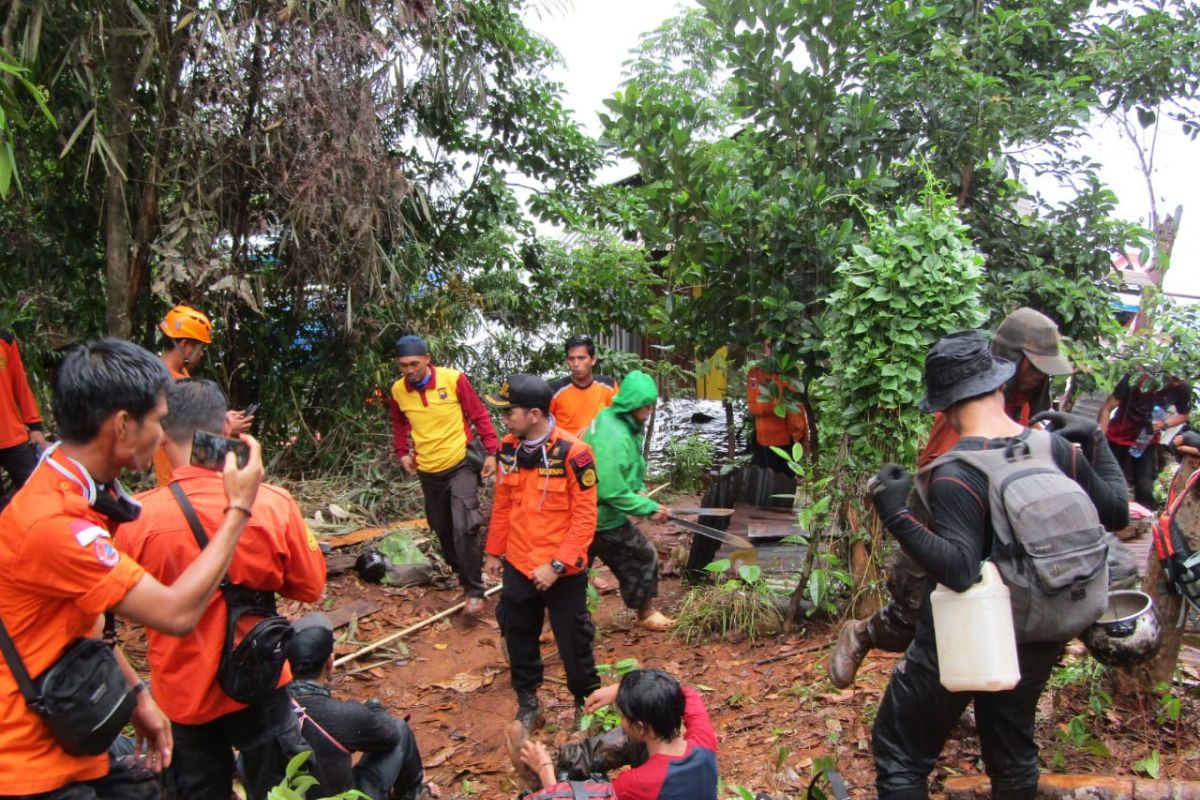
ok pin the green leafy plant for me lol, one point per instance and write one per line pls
(1149, 765)
(297, 783)
(736, 608)
(606, 717)
(689, 461)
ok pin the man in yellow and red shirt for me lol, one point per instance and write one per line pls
(21, 434)
(439, 411)
(59, 570)
(276, 554)
(543, 521)
(578, 397)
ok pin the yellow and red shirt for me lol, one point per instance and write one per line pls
(439, 416)
(544, 512)
(59, 571)
(18, 407)
(275, 553)
(574, 407)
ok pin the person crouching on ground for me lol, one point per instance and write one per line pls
(616, 437)
(672, 724)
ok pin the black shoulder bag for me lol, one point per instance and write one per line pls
(84, 697)
(250, 669)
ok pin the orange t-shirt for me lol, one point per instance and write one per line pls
(162, 464)
(770, 429)
(575, 408)
(276, 553)
(18, 407)
(58, 572)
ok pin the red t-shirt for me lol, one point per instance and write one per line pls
(59, 572)
(691, 776)
(1135, 410)
(275, 553)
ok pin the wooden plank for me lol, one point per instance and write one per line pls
(357, 608)
(366, 534)
(338, 563)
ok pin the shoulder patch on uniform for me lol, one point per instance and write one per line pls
(584, 467)
(582, 459)
(313, 544)
(106, 554)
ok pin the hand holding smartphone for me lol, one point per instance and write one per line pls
(209, 449)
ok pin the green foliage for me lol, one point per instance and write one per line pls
(1078, 734)
(736, 608)
(1168, 345)
(11, 117)
(1148, 765)
(605, 717)
(297, 782)
(689, 461)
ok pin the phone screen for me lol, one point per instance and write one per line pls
(209, 449)
(251, 410)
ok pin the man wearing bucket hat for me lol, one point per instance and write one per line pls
(965, 382)
(543, 521)
(444, 435)
(1030, 340)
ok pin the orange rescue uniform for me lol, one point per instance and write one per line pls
(546, 512)
(770, 429)
(574, 407)
(275, 553)
(59, 572)
(18, 407)
(162, 464)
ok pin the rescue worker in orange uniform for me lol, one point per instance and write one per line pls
(59, 570)
(449, 426)
(765, 392)
(579, 396)
(543, 520)
(276, 554)
(21, 428)
(186, 332)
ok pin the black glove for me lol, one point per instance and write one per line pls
(1072, 427)
(889, 489)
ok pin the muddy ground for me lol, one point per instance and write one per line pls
(773, 708)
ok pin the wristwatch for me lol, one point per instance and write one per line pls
(558, 567)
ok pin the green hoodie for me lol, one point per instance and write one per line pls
(616, 440)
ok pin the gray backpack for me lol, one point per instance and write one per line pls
(1049, 544)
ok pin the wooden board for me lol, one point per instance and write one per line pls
(338, 563)
(367, 534)
(355, 609)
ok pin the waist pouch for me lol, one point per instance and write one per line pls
(250, 669)
(84, 697)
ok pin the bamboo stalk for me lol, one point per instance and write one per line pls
(391, 637)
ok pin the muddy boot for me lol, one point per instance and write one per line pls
(514, 736)
(598, 755)
(851, 648)
(529, 710)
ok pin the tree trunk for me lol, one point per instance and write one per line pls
(730, 431)
(1170, 606)
(122, 50)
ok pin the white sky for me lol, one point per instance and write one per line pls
(595, 37)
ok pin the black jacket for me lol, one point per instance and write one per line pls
(341, 727)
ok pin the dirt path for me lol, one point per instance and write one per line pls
(773, 708)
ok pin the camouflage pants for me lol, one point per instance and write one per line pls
(632, 559)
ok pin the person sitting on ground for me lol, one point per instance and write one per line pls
(670, 721)
(391, 763)
(616, 438)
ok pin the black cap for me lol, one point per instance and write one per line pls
(411, 346)
(312, 644)
(960, 366)
(526, 391)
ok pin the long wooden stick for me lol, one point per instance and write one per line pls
(657, 489)
(391, 637)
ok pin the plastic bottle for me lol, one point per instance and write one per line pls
(976, 642)
(1148, 433)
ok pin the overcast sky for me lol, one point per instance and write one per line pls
(595, 38)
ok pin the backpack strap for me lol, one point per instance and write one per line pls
(190, 513)
(20, 674)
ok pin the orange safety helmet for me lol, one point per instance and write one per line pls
(185, 322)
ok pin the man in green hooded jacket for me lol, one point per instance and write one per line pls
(616, 439)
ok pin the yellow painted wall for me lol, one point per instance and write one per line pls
(710, 376)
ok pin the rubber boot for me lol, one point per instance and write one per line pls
(529, 710)
(852, 646)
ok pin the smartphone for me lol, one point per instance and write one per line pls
(251, 410)
(209, 449)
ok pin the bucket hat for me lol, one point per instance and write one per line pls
(959, 366)
(1034, 334)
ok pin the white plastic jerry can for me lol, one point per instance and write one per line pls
(976, 642)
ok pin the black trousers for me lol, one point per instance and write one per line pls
(378, 773)
(521, 613)
(892, 627)
(118, 784)
(19, 462)
(917, 714)
(452, 508)
(267, 734)
(632, 559)
(1144, 469)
